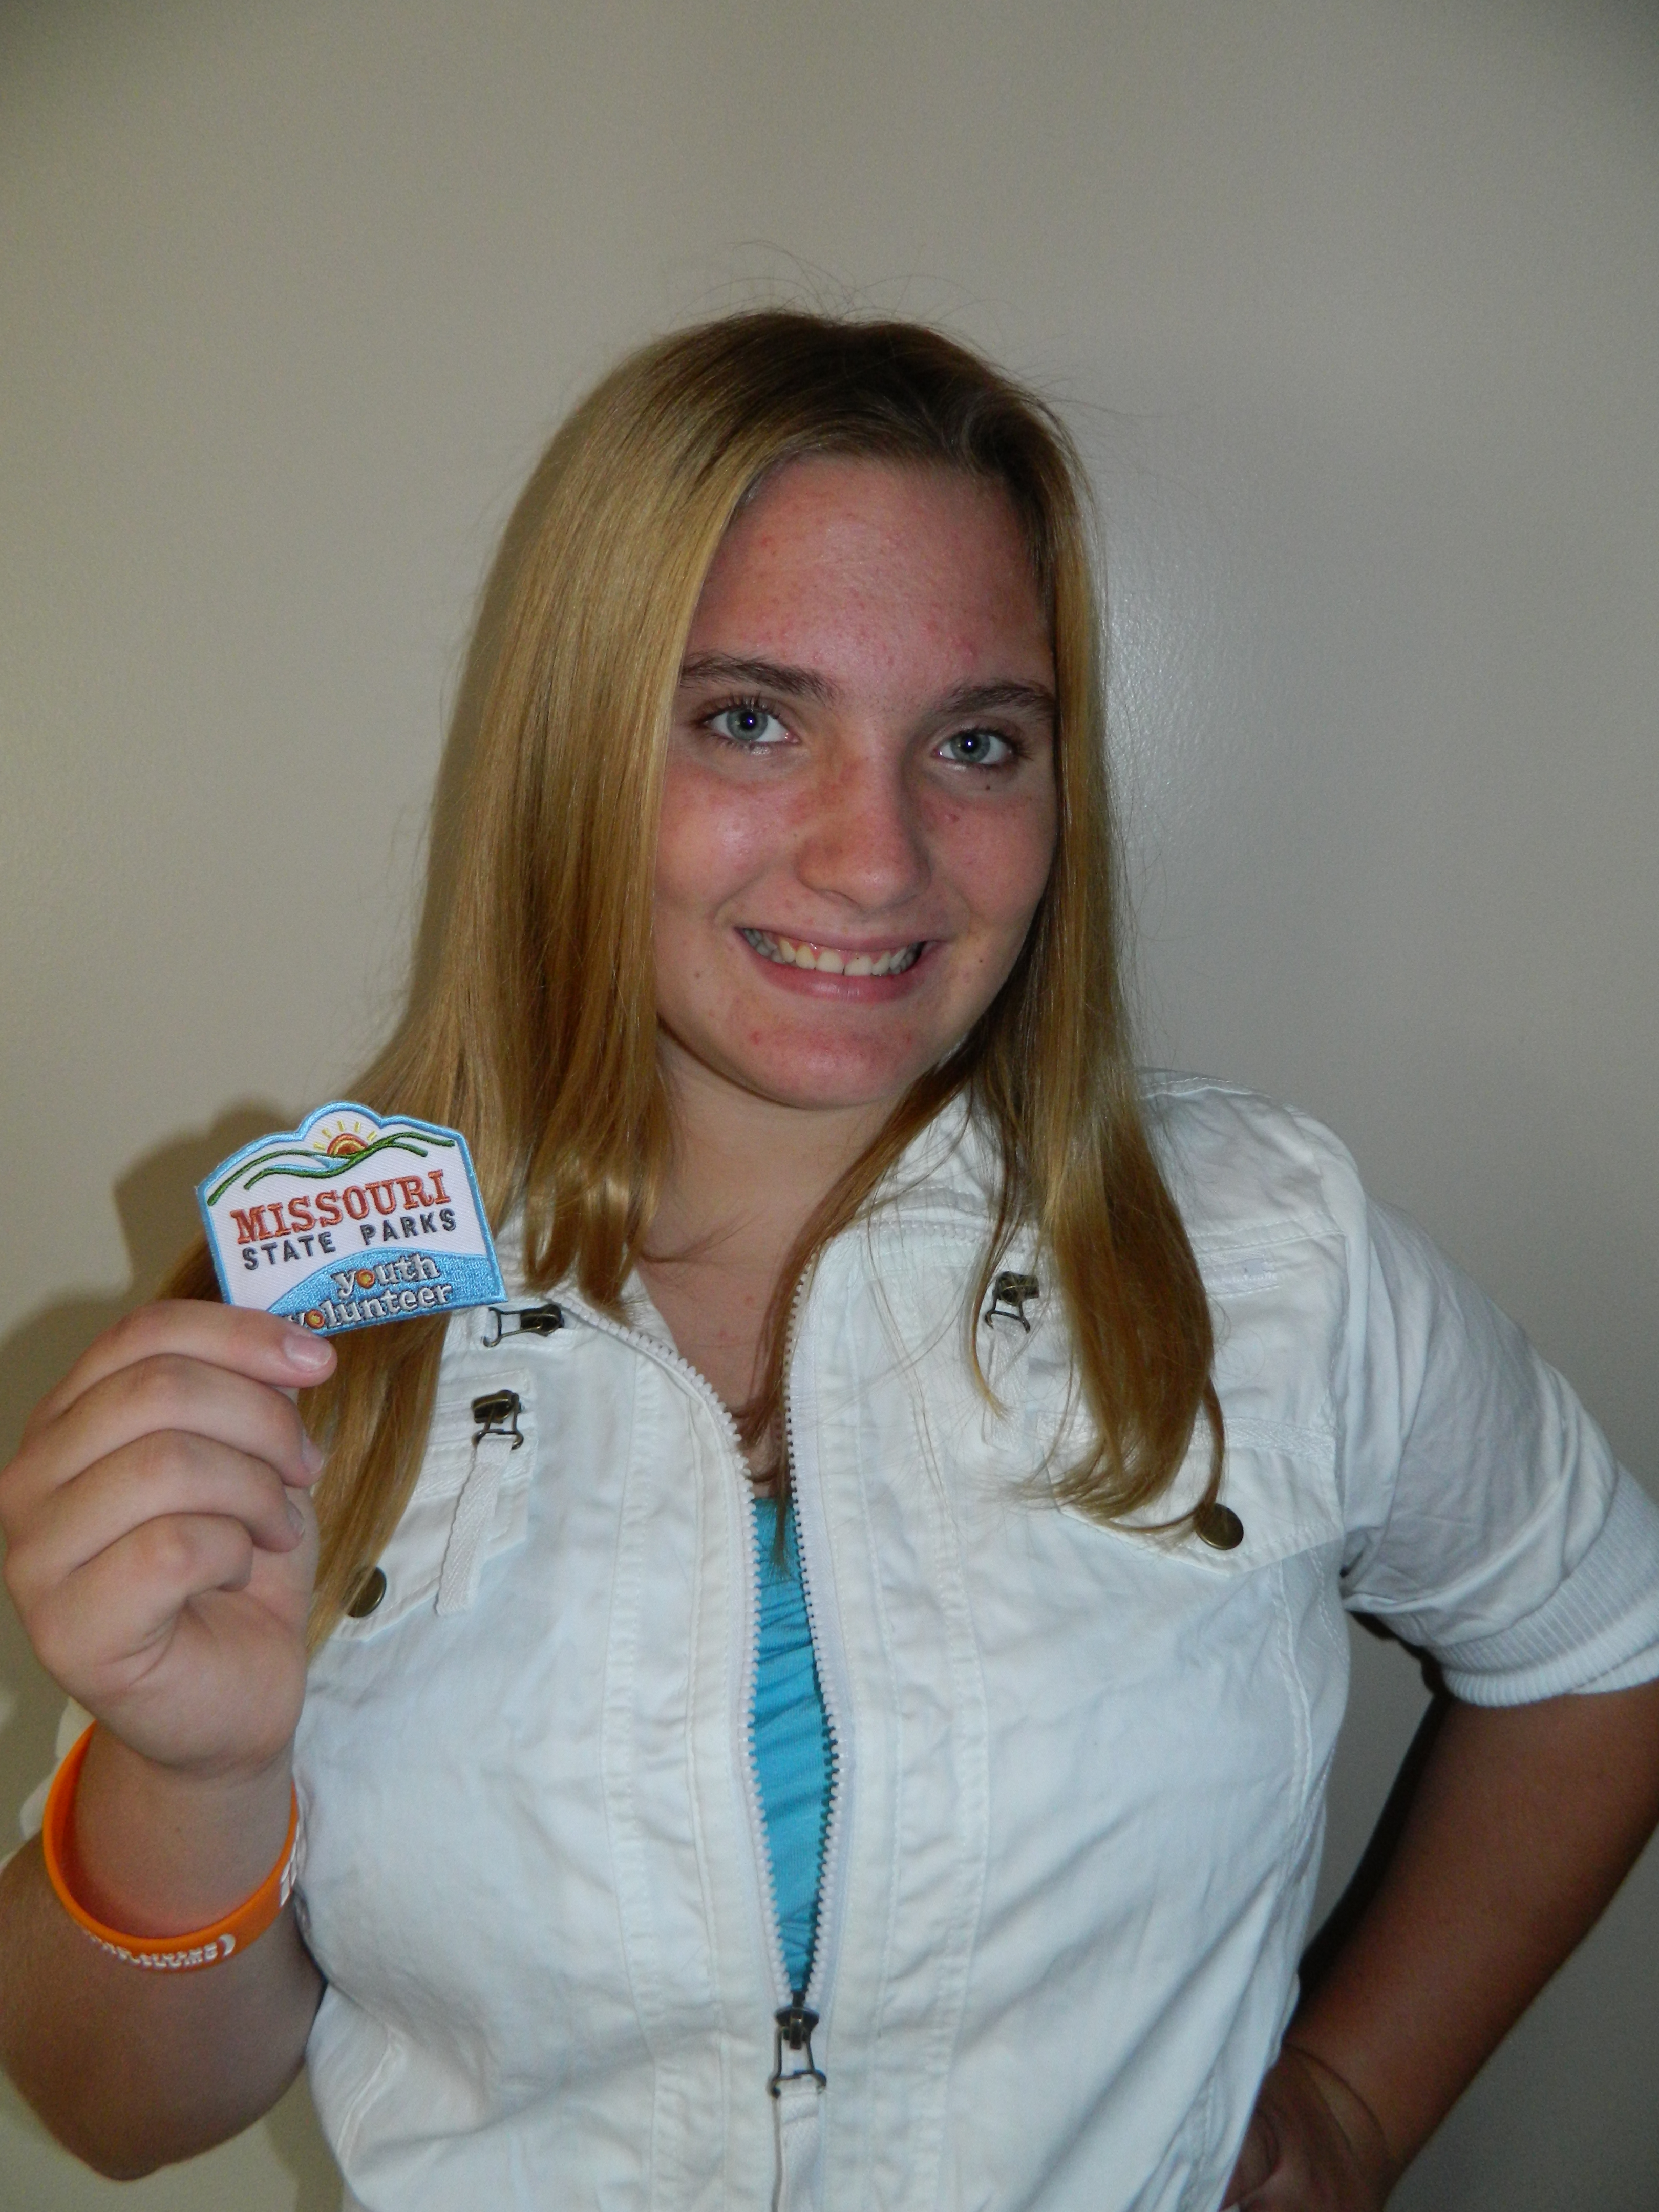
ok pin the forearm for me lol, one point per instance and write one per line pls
(1523, 1824)
(160, 1548)
(133, 2069)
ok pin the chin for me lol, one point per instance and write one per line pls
(811, 1086)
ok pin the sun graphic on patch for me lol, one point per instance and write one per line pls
(341, 1143)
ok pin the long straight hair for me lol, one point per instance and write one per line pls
(535, 1029)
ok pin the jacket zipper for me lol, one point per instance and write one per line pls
(795, 2021)
(795, 2017)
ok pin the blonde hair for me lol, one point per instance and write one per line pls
(535, 1029)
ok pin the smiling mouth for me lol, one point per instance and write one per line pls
(828, 960)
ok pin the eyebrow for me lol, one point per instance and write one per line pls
(808, 683)
(986, 698)
(763, 675)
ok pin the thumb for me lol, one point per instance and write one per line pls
(1256, 2161)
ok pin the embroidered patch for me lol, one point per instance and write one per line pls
(349, 1220)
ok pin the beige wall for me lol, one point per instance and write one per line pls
(1355, 304)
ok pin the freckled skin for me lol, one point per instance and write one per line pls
(892, 589)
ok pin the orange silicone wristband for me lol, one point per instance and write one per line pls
(203, 1947)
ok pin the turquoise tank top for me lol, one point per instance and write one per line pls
(790, 1731)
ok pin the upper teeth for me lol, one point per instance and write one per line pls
(827, 960)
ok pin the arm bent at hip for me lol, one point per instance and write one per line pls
(1524, 1821)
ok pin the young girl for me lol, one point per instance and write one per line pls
(825, 1698)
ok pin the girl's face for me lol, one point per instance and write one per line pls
(859, 812)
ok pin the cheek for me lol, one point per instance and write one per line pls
(999, 859)
(715, 837)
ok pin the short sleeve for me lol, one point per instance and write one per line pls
(1488, 1523)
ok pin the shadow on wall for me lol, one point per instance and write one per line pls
(156, 1200)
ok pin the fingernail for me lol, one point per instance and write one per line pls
(312, 1453)
(296, 1520)
(302, 1350)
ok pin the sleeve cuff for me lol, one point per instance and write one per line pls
(1599, 1631)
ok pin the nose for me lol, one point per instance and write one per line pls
(863, 839)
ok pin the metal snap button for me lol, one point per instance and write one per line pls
(370, 1589)
(1219, 1526)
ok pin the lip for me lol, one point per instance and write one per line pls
(857, 990)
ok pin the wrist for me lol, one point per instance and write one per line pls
(156, 1851)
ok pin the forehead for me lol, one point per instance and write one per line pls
(915, 570)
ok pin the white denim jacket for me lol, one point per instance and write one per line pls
(1077, 1808)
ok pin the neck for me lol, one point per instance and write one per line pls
(747, 1172)
(745, 1175)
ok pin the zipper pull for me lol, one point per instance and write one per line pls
(793, 2032)
(1010, 1294)
(532, 1321)
(497, 1412)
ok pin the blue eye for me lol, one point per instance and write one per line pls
(748, 724)
(977, 749)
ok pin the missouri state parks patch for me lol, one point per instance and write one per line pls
(348, 1220)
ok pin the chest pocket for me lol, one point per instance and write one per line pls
(471, 1500)
(1278, 1482)
(1278, 1496)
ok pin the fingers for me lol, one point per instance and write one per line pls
(1257, 2161)
(178, 1422)
(154, 1477)
(167, 1395)
(1298, 2157)
(127, 1600)
(161, 1545)
(258, 1346)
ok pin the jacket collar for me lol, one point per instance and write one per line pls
(948, 1177)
